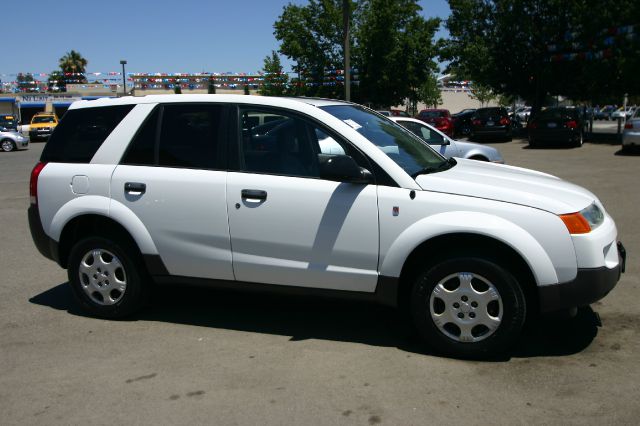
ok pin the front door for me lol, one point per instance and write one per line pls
(290, 227)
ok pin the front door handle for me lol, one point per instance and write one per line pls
(254, 194)
(135, 188)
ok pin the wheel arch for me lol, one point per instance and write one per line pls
(446, 246)
(95, 225)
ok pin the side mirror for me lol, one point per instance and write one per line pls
(343, 168)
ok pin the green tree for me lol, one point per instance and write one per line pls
(482, 93)
(275, 79)
(55, 82)
(429, 92)
(394, 52)
(212, 86)
(73, 67)
(391, 47)
(311, 36)
(26, 83)
(533, 49)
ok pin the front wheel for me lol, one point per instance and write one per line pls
(7, 145)
(105, 278)
(468, 307)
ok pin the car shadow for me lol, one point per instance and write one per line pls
(628, 152)
(304, 318)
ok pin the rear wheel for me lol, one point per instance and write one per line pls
(7, 145)
(468, 307)
(579, 140)
(105, 278)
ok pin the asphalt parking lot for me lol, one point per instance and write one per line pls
(210, 357)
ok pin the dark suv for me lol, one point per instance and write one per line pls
(491, 123)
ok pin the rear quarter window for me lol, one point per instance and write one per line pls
(81, 132)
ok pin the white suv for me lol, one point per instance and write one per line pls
(325, 198)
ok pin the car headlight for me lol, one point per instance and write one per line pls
(594, 215)
(584, 221)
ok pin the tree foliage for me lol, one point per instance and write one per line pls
(392, 48)
(26, 82)
(524, 47)
(73, 68)
(483, 94)
(429, 92)
(275, 79)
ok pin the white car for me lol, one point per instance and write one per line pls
(192, 189)
(631, 133)
(446, 146)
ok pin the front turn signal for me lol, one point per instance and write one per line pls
(576, 223)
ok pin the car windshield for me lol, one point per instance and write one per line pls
(402, 146)
(490, 112)
(7, 123)
(556, 114)
(43, 119)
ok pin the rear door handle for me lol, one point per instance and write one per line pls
(254, 194)
(135, 187)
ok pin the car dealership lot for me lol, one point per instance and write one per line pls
(202, 356)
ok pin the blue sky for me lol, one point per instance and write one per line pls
(153, 36)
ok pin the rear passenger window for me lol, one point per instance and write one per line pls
(141, 151)
(191, 135)
(81, 132)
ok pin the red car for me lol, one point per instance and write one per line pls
(438, 118)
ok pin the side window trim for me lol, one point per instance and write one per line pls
(220, 162)
(235, 142)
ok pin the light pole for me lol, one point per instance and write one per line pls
(124, 78)
(346, 12)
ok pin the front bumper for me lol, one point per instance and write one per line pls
(589, 286)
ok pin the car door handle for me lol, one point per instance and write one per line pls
(135, 187)
(254, 194)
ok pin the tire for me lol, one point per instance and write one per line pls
(116, 287)
(532, 143)
(7, 145)
(579, 141)
(468, 307)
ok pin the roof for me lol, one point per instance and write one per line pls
(222, 98)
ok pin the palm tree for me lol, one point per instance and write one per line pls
(73, 63)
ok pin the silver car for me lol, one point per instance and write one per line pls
(448, 147)
(11, 140)
(631, 134)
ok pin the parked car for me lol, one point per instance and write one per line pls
(522, 114)
(11, 140)
(448, 147)
(619, 113)
(173, 189)
(631, 133)
(556, 124)
(491, 123)
(604, 113)
(438, 118)
(8, 122)
(462, 121)
(394, 113)
(42, 125)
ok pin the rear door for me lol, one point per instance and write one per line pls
(288, 225)
(173, 178)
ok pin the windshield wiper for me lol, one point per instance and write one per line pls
(446, 165)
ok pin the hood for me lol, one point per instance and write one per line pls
(509, 184)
